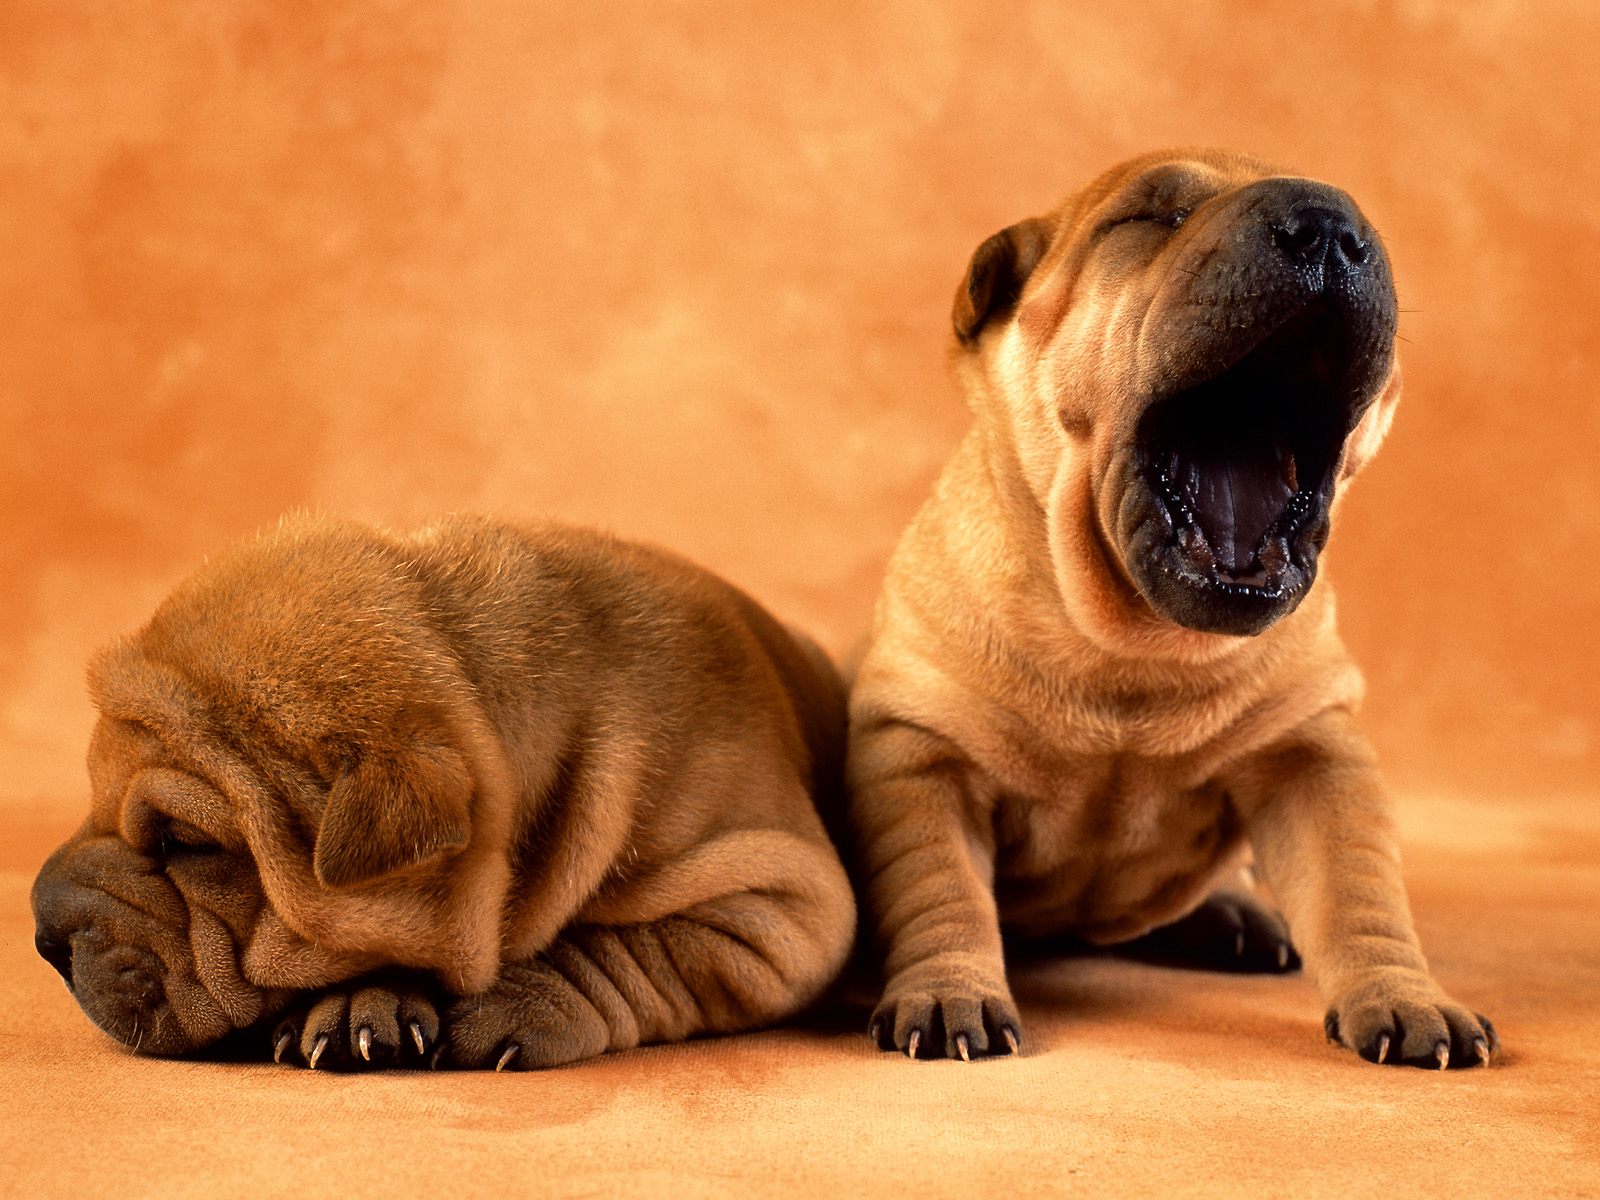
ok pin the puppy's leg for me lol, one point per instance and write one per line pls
(927, 858)
(731, 963)
(1231, 930)
(1324, 839)
(387, 1019)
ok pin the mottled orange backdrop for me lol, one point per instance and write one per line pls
(683, 270)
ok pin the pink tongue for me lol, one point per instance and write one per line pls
(1236, 499)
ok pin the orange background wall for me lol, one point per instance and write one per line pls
(683, 270)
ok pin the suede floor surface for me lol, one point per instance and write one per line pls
(1137, 1081)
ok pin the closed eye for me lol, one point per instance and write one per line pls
(1172, 218)
(179, 837)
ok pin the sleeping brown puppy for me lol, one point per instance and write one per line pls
(1099, 672)
(485, 795)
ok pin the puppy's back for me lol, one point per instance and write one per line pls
(589, 610)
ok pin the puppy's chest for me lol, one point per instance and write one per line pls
(1112, 840)
(1113, 807)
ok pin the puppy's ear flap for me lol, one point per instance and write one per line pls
(996, 274)
(393, 809)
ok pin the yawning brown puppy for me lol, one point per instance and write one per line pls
(1099, 672)
(490, 795)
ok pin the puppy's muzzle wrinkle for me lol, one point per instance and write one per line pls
(104, 920)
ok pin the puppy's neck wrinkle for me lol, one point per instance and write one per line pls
(1007, 562)
(1077, 590)
(1016, 506)
(988, 611)
(1038, 480)
(1098, 600)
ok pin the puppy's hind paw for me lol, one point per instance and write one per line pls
(388, 1020)
(1230, 931)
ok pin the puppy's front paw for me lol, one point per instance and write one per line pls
(1401, 1018)
(385, 1020)
(531, 1018)
(952, 1006)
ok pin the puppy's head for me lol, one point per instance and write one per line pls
(285, 778)
(1183, 362)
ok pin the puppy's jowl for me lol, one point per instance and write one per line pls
(1100, 673)
(483, 796)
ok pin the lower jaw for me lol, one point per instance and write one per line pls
(1180, 593)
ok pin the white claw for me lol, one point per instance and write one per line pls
(280, 1046)
(911, 1046)
(316, 1051)
(962, 1048)
(1283, 955)
(416, 1036)
(1011, 1040)
(511, 1052)
(1442, 1053)
(1482, 1049)
(364, 1043)
(1383, 1047)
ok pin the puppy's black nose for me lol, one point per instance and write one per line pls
(1315, 235)
(55, 952)
(1319, 234)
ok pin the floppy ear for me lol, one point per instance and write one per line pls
(996, 274)
(392, 809)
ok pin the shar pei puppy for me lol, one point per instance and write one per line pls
(1102, 670)
(478, 796)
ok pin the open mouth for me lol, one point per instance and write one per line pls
(1243, 462)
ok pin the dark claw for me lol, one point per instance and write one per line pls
(285, 1040)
